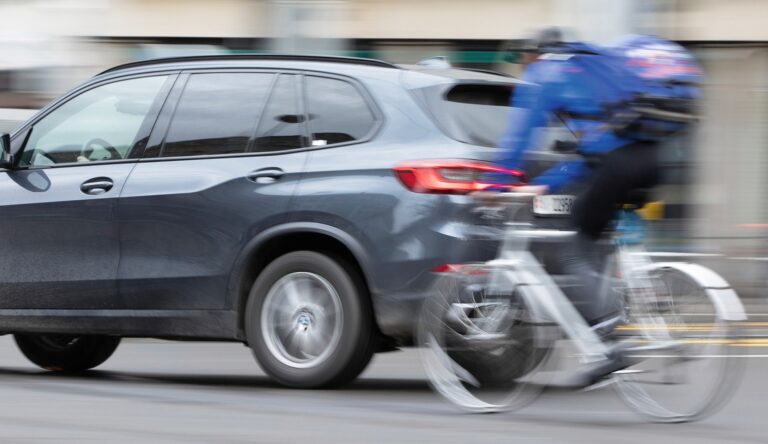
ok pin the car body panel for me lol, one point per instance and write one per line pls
(183, 223)
(60, 248)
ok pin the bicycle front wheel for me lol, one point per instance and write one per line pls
(481, 343)
(682, 342)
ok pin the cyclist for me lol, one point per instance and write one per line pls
(597, 92)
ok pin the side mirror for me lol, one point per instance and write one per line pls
(6, 157)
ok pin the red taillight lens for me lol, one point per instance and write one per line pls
(454, 176)
(466, 269)
(445, 268)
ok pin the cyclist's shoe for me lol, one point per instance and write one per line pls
(607, 329)
(594, 372)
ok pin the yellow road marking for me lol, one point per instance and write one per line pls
(694, 326)
(744, 342)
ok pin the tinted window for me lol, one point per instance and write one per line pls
(337, 112)
(216, 114)
(98, 125)
(282, 125)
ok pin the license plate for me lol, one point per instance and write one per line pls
(553, 205)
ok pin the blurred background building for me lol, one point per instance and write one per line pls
(717, 202)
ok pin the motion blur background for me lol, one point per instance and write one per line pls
(715, 201)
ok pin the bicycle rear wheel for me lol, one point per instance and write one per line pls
(682, 341)
(481, 344)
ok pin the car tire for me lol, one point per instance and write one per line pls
(67, 353)
(309, 321)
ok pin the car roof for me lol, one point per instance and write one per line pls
(208, 59)
(333, 64)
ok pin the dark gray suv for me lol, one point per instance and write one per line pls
(296, 204)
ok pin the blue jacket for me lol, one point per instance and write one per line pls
(576, 86)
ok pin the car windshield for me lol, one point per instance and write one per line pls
(471, 113)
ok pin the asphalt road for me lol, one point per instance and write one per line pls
(157, 391)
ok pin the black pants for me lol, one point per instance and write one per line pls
(618, 178)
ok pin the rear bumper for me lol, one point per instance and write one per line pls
(397, 312)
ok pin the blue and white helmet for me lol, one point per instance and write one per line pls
(655, 59)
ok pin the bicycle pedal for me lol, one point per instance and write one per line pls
(611, 379)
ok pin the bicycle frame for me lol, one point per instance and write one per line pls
(515, 263)
(545, 298)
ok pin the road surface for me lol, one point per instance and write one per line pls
(190, 392)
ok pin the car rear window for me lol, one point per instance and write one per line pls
(337, 112)
(472, 113)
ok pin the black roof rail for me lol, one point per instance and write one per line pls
(277, 57)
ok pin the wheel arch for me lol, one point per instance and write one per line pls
(279, 240)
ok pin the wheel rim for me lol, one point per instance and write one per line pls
(301, 319)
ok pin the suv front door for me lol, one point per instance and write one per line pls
(60, 242)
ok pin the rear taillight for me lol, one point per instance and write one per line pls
(465, 269)
(455, 176)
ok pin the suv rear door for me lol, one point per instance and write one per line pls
(221, 165)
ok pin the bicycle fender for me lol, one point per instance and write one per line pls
(725, 299)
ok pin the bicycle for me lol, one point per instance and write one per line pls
(488, 331)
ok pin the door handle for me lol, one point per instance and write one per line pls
(97, 185)
(265, 175)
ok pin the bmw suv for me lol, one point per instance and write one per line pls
(299, 205)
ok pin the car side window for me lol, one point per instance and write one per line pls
(282, 125)
(101, 124)
(337, 111)
(216, 114)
